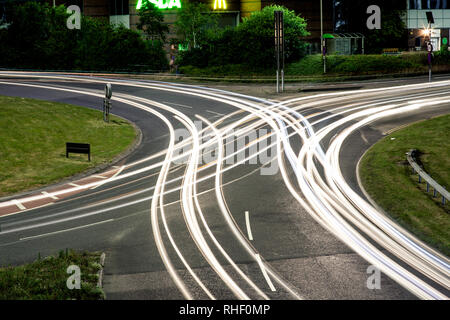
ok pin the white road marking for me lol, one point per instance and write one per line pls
(177, 104)
(216, 113)
(19, 204)
(50, 195)
(65, 230)
(264, 272)
(114, 175)
(98, 176)
(247, 222)
(74, 184)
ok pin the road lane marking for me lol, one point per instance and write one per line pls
(73, 184)
(216, 113)
(19, 204)
(247, 222)
(65, 230)
(114, 175)
(264, 272)
(50, 195)
(177, 104)
(98, 176)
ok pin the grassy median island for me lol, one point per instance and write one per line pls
(33, 134)
(46, 279)
(387, 178)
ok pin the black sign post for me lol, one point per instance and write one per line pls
(107, 102)
(279, 48)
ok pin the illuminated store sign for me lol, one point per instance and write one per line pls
(161, 4)
(220, 4)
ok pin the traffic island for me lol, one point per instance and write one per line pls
(387, 178)
(70, 275)
(33, 137)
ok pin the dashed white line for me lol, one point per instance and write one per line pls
(177, 104)
(249, 230)
(73, 184)
(65, 230)
(99, 176)
(216, 113)
(50, 195)
(19, 204)
(114, 175)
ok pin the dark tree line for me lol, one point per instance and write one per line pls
(35, 36)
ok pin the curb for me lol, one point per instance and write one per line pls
(136, 143)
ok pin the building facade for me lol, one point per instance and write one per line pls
(231, 12)
(420, 30)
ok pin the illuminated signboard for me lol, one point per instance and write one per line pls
(220, 4)
(161, 4)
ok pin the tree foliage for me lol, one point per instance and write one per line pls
(251, 43)
(193, 22)
(151, 22)
(37, 37)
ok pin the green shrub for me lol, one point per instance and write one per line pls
(251, 43)
(37, 38)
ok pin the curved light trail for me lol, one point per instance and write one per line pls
(312, 174)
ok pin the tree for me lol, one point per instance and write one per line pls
(151, 22)
(255, 36)
(193, 21)
(353, 17)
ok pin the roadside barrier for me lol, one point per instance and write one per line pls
(437, 188)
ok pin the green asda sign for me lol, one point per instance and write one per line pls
(161, 4)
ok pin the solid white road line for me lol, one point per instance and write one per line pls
(66, 230)
(247, 222)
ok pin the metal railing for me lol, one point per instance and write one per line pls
(437, 188)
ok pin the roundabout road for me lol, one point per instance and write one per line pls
(258, 200)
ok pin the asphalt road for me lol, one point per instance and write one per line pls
(206, 228)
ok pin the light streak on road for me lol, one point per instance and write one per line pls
(317, 182)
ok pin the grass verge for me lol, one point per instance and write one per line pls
(46, 279)
(33, 134)
(387, 177)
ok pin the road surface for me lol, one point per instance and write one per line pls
(230, 196)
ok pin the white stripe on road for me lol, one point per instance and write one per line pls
(114, 175)
(264, 272)
(65, 230)
(216, 113)
(73, 184)
(98, 176)
(19, 204)
(50, 195)
(249, 230)
(177, 104)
